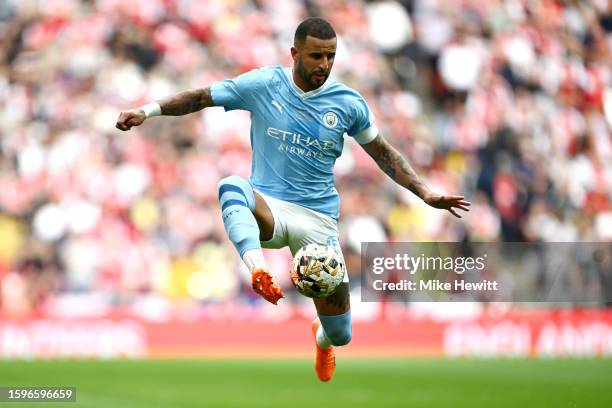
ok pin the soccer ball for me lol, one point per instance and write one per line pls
(317, 270)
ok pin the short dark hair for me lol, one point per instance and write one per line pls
(314, 27)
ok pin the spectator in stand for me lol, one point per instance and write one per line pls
(508, 99)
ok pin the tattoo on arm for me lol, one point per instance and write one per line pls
(185, 102)
(395, 165)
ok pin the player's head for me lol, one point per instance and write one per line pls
(313, 51)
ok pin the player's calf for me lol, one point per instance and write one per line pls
(335, 330)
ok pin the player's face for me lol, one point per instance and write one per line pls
(313, 61)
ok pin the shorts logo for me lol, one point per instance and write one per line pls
(330, 120)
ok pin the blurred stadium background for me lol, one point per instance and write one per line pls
(111, 244)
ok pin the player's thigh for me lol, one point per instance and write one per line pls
(264, 217)
(308, 227)
(272, 219)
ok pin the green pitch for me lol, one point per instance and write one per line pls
(292, 384)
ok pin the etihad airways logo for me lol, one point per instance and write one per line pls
(301, 140)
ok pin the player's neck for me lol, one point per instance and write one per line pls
(300, 83)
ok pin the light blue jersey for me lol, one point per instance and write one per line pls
(296, 137)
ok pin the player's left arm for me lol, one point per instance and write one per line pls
(397, 167)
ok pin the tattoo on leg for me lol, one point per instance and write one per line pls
(339, 302)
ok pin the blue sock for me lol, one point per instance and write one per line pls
(237, 203)
(337, 329)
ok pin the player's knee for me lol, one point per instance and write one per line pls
(235, 188)
(230, 183)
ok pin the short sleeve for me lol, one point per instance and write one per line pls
(363, 128)
(236, 93)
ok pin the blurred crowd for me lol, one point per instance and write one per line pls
(508, 102)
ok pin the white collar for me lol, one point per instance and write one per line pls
(289, 73)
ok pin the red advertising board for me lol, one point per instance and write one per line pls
(540, 333)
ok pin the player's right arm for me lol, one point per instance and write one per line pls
(183, 103)
(236, 93)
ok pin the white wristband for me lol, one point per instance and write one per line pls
(151, 109)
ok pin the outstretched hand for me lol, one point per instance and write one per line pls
(450, 203)
(127, 119)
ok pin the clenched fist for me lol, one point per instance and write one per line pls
(132, 117)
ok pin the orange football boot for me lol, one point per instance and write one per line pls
(325, 361)
(264, 285)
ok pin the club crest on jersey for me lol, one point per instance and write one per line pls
(330, 120)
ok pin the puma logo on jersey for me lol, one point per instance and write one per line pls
(277, 106)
